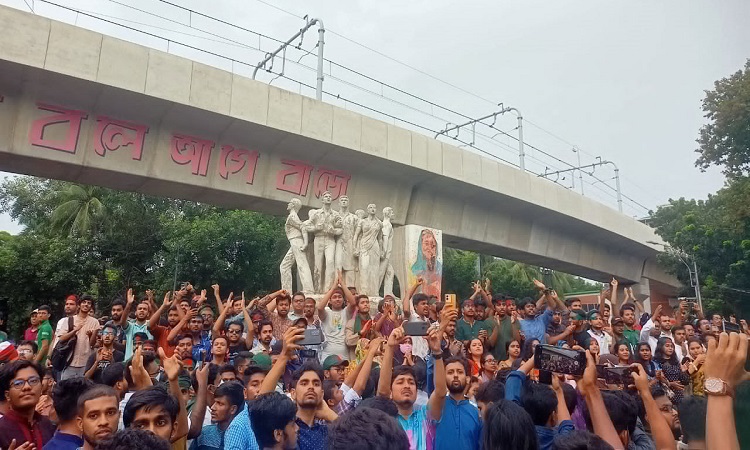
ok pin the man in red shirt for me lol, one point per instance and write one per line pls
(21, 385)
(161, 332)
(30, 333)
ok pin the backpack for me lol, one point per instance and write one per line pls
(63, 351)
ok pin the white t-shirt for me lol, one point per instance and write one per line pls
(419, 345)
(605, 341)
(333, 327)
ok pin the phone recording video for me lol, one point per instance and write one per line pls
(559, 360)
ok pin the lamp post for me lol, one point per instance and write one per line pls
(692, 271)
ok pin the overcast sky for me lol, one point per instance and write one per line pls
(620, 80)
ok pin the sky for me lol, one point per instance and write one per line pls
(619, 80)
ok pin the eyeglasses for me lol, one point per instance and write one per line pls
(234, 331)
(490, 360)
(18, 384)
(108, 333)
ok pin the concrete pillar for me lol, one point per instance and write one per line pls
(418, 251)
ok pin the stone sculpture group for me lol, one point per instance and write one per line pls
(357, 244)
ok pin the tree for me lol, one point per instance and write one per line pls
(80, 212)
(725, 140)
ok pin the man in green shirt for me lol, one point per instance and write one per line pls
(506, 328)
(44, 335)
(627, 312)
(468, 328)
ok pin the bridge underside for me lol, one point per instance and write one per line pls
(127, 122)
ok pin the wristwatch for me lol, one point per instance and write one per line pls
(716, 386)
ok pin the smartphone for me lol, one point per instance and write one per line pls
(545, 377)
(619, 375)
(560, 360)
(450, 301)
(313, 336)
(729, 327)
(418, 328)
(199, 363)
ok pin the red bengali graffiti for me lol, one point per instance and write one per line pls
(331, 180)
(192, 150)
(234, 160)
(113, 134)
(71, 117)
(298, 172)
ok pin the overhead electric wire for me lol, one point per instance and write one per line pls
(336, 96)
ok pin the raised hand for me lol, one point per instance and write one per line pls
(396, 337)
(172, 365)
(434, 336)
(202, 298)
(291, 336)
(215, 287)
(167, 300)
(539, 285)
(130, 296)
(726, 359)
(149, 294)
(640, 377)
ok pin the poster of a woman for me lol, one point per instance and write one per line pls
(427, 260)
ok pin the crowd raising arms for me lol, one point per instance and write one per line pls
(253, 376)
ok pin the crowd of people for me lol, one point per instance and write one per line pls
(289, 371)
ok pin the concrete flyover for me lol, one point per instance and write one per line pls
(85, 107)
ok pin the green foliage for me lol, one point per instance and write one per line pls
(725, 140)
(85, 239)
(716, 232)
(507, 277)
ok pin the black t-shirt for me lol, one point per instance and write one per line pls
(117, 356)
(235, 349)
(582, 338)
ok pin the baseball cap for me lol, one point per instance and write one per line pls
(577, 314)
(617, 320)
(300, 320)
(591, 314)
(263, 361)
(36, 311)
(334, 360)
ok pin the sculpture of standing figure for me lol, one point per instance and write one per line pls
(369, 239)
(297, 235)
(326, 225)
(386, 272)
(345, 260)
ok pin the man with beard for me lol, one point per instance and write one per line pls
(201, 349)
(360, 326)
(667, 410)
(104, 356)
(65, 396)
(21, 388)
(98, 415)
(84, 327)
(313, 413)
(505, 330)
(273, 418)
(401, 386)
(459, 427)
(118, 307)
(265, 338)
(470, 326)
(160, 332)
(139, 325)
(334, 314)
(627, 312)
(278, 312)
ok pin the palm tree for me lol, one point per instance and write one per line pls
(80, 212)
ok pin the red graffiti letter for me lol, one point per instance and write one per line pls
(331, 180)
(71, 117)
(235, 159)
(300, 173)
(112, 134)
(192, 150)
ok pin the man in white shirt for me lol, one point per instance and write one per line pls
(84, 327)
